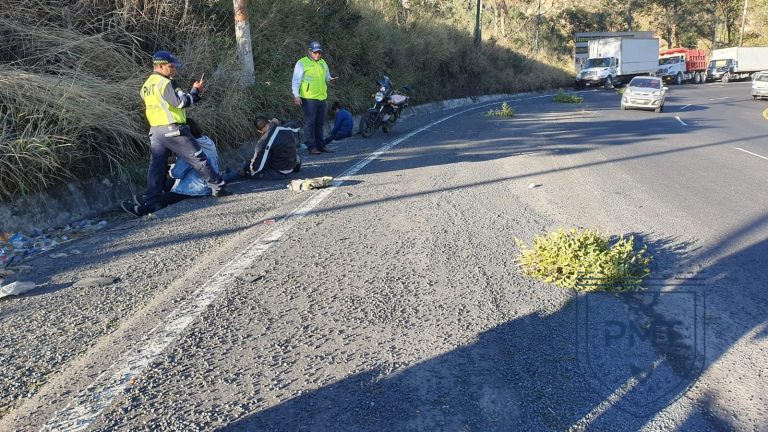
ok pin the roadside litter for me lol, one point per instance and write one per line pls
(16, 288)
(15, 247)
(310, 184)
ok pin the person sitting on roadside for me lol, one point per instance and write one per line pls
(275, 155)
(183, 181)
(188, 183)
(342, 124)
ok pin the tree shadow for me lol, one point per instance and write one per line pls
(487, 385)
(569, 370)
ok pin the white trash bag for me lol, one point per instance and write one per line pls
(16, 288)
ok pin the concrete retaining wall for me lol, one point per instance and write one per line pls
(62, 204)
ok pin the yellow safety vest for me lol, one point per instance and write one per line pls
(159, 111)
(313, 83)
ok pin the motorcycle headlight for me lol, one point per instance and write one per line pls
(379, 96)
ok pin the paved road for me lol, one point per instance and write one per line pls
(392, 302)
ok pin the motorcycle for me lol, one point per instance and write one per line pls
(386, 110)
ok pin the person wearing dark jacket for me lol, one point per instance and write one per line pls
(342, 124)
(275, 155)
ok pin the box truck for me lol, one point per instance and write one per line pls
(679, 65)
(581, 43)
(728, 64)
(617, 60)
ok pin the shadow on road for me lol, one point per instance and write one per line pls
(602, 362)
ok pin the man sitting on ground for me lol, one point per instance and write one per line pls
(342, 124)
(188, 182)
(184, 181)
(275, 155)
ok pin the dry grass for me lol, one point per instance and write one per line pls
(69, 88)
(70, 73)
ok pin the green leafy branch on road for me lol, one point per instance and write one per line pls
(563, 97)
(585, 260)
(505, 111)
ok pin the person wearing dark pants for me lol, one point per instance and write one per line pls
(342, 124)
(186, 148)
(315, 112)
(310, 90)
(185, 182)
(165, 104)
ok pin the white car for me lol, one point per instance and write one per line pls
(760, 85)
(644, 92)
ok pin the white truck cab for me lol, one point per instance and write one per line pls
(598, 72)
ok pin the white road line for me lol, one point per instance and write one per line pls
(585, 422)
(685, 107)
(681, 121)
(753, 154)
(99, 395)
(726, 97)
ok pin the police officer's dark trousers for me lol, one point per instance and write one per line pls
(179, 140)
(315, 112)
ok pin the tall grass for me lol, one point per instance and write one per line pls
(70, 73)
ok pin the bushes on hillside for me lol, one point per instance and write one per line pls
(70, 75)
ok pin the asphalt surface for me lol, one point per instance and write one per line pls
(393, 302)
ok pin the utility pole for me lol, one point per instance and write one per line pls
(714, 30)
(538, 24)
(243, 37)
(743, 20)
(478, 36)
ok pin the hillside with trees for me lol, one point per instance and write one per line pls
(70, 70)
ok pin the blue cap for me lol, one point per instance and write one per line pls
(165, 57)
(315, 47)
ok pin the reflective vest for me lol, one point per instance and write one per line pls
(159, 111)
(313, 83)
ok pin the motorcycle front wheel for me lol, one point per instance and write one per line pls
(367, 121)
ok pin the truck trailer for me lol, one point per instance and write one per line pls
(617, 60)
(679, 65)
(728, 64)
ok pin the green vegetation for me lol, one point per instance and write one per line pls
(585, 261)
(563, 97)
(70, 72)
(505, 111)
(70, 69)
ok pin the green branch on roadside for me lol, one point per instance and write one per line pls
(563, 97)
(585, 260)
(505, 111)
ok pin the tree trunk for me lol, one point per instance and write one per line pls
(243, 36)
(673, 35)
